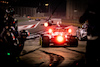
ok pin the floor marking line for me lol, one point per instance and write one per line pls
(36, 25)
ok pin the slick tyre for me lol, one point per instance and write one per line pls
(45, 41)
(74, 42)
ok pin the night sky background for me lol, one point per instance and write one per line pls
(37, 3)
(40, 3)
(59, 5)
(33, 3)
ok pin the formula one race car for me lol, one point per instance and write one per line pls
(59, 36)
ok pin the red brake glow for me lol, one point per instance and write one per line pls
(50, 31)
(45, 24)
(60, 38)
(69, 30)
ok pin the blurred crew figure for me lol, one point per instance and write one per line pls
(22, 37)
(92, 15)
(9, 43)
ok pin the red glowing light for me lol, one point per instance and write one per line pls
(13, 22)
(60, 38)
(69, 30)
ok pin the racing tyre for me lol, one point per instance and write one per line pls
(73, 42)
(45, 41)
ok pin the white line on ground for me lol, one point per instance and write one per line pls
(36, 25)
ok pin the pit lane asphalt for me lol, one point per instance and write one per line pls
(34, 55)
